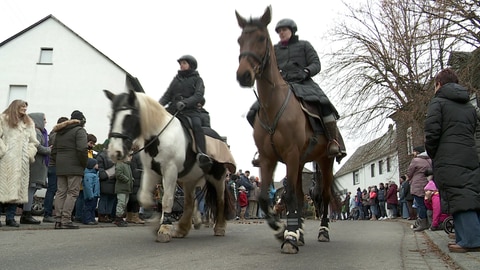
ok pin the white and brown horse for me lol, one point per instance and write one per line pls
(167, 157)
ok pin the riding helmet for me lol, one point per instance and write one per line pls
(190, 60)
(286, 23)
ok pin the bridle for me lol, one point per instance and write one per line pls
(129, 139)
(258, 69)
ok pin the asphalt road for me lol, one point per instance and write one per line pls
(354, 245)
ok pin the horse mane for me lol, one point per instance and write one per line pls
(152, 113)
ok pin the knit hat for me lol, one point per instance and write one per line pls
(91, 163)
(430, 186)
(419, 149)
(242, 188)
(78, 115)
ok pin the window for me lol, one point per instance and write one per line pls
(372, 170)
(389, 168)
(46, 55)
(356, 181)
(380, 167)
(16, 92)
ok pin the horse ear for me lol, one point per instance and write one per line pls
(241, 21)
(267, 16)
(109, 94)
(131, 97)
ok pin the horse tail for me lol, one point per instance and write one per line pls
(211, 197)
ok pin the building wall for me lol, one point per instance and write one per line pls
(365, 178)
(74, 81)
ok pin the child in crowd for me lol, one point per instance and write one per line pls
(243, 202)
(123, 188)
(432, 202)
(91, 192)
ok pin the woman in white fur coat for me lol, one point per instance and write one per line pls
(18, 146)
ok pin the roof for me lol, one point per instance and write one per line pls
(135, 82)
(369, 152)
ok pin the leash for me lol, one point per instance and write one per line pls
(158, 135)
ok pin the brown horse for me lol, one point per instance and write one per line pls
(282, 132)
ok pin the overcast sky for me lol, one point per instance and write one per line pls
(147, 37)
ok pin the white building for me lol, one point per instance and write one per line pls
(373, 163)
(56, 71)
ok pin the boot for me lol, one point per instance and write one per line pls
(120, 222)
(27, 218)
(422, 225)
(332, 135)
(102, 218)
(129, 217)
(136, 219)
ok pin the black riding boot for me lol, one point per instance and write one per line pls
(333, 145)
(204, 161)
(27, 218)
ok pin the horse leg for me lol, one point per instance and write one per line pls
(197, 216)
(185, 223)
(273, 220)
(220, 220)
(164, 233)
(300, 205)
(292, 233)
(326, 188)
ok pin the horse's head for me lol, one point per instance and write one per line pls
(124, 123)
(255, 47)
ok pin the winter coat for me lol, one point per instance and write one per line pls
(416, 173)
(392, 197)
(292, 59)
(18, 147)
(186, 87)
(70, 148)
(39, 168)
(381, 194)
(137, 169)
(254, 193)
(242, 199)
(449, 139)
(91, 184)
(123, 174)
(107, 184)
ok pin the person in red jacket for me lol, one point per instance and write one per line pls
(242, 201)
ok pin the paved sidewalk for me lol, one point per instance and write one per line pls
(469, 260)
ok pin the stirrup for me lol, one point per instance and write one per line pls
(256, 160)
(333, 153)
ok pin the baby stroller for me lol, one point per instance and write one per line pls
(448, 225)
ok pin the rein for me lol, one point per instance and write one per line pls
(158, 135)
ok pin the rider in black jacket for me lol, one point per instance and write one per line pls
(184, 93)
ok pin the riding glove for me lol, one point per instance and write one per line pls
(180, 106)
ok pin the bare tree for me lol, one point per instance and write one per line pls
(392, 52)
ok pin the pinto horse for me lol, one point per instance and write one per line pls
(282, 132)
(167, 156)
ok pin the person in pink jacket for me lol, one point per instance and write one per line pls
(432, 202)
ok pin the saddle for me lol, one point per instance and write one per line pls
(216, 145)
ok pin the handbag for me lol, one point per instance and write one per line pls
(110, 172)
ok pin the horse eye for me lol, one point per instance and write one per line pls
(262, 39)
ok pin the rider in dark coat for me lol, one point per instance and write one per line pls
(184, 94)
(298, 62)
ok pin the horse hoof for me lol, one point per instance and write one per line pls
(219, 232)
(164, 238)
(178, 235)
(289, 247)
(323, 235)
(301, 240)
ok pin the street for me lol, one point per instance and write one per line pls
(354, 244)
